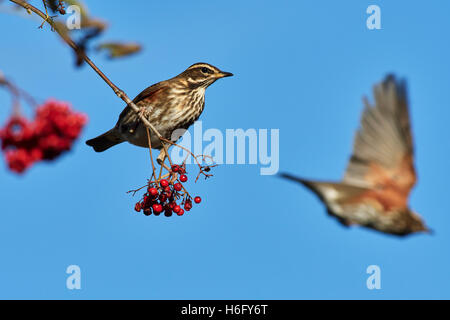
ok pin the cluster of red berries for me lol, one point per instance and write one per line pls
(168, 196)
(53, 131)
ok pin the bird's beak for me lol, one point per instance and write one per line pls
(224, 74)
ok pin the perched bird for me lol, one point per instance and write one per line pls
(376, 185)
(169, 105)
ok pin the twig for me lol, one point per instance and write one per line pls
(151, 156)
(192, 154)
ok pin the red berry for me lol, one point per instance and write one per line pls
(147, 211)
(176, 209)
(177, 186)
(137, 207)
(164, 183)
(147, 202)
(168, 212)
(175, 168)
(180, 213)
(157, 208)
(51, 133)
(183, 178)
(153, 191)
(188, 206)
(162, 197)
(197, 199)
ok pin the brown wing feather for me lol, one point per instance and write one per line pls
(149, 93)
(383, 148)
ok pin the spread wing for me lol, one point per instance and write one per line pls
(383, 147)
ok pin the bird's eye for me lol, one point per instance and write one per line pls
(206, 70)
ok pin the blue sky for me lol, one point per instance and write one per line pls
(301, 67)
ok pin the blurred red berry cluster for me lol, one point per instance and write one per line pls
(53, 131)
(167, 195)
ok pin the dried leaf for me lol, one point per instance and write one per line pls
(117, 49)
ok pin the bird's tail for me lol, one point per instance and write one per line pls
(311, 185)
(105, 141)
(327, 191)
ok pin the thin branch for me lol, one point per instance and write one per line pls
(185, 149)
(151, 156)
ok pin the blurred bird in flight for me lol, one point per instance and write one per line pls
(380, 175)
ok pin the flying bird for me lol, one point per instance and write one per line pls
(169, 105)
(380, 175)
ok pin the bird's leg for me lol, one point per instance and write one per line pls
(161, 158)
